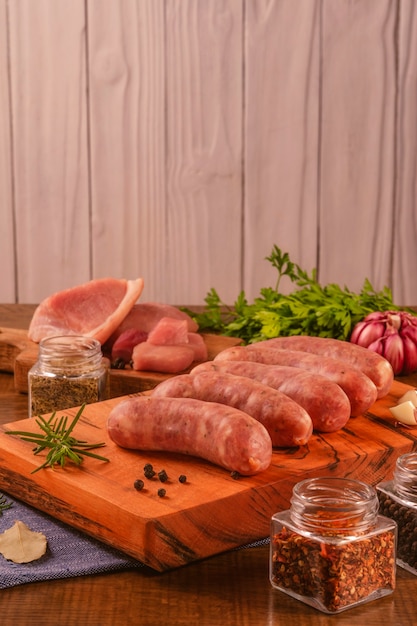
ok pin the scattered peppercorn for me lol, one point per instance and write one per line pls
(235, 475)
(182, 478)
(163, 476)
(405, 515)
(138, 485)
(161, 492)
(149, 470)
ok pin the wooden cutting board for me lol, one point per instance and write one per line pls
(18, 353)
(211, 512)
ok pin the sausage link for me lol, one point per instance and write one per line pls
(358, 387)
(218, 433)
(370, 363)
(286, 421)
(325, 402)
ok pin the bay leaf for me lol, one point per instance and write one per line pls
(22, 545)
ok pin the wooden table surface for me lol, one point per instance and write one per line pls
(232, 588)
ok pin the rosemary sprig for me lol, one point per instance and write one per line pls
(4, 504)
(58, 439)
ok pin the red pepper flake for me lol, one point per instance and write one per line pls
(336, 575)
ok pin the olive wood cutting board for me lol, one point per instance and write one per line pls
(18, 353)
(212, 512)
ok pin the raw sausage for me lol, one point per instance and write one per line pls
(215, 432)
(325, 402)
(370, 363)
(358, 387)
(286, 421)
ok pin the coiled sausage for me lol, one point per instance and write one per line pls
(218, 433)
(325, 402)
(358, 387)
(370, 363)
(286, 421)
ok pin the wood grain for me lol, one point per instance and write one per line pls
(282, 48)
(204, 148)
(128, 128)
(357, 142)
(405, 222)
(7, 232)
(180, 140)
(194, 520)
(48, 86)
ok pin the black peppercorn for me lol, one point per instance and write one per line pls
(161, 492)
(182, 478)
(138, 485)
(407, 529)
(148, 470)
(163, 476)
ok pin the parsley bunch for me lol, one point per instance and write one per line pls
(329, 311)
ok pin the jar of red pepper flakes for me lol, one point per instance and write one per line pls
(398, 500)
(332, 549)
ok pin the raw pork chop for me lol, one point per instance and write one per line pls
(94, 309)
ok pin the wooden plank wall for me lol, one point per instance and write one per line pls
(179, 140)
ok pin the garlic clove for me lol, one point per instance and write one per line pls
(394, 351)
(409, 396)
(410, 355)
(405, 412)
(366, 333)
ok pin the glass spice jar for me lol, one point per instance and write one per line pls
(70, 371)
(398, 500)
(331, 549)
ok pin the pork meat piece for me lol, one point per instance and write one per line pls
(95, 309)
(165, 359)
(169, 332)
(199, 345)
(144, 316)
(123, 346)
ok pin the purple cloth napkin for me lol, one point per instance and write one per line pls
(69, 552)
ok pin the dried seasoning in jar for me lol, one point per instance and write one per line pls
(70, 371)
(331, 549)
(398, 501)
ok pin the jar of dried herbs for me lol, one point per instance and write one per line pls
(398, 500)
(332, 549)
(70, 371)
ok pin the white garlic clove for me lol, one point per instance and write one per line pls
(409, 396)
(405, 412)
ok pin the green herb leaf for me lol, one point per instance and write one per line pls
(57, 438)
(4, 504)
(311, 309)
